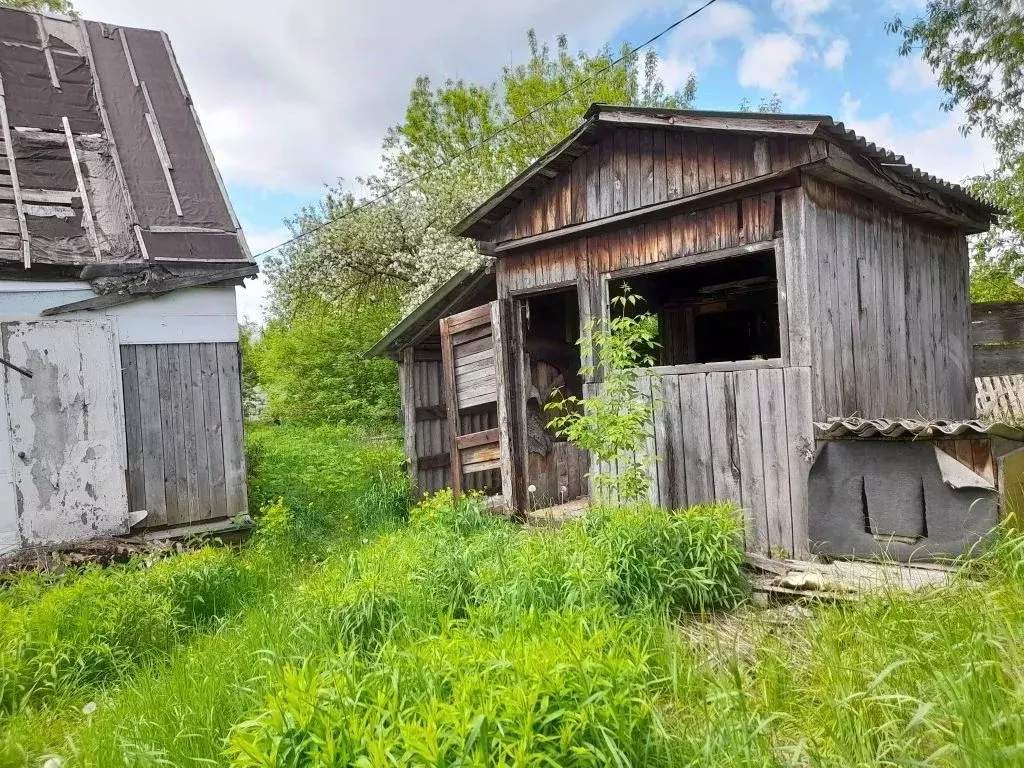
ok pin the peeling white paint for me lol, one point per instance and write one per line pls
(66, 430)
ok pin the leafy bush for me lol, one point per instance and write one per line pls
(685, 561)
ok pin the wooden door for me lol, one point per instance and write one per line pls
(66, 429)
(476, 350)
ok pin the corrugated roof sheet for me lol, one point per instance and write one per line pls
(912, 429)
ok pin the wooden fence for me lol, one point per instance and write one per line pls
(997, 335)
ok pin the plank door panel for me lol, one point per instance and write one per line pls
(67, 430)
(475, 355)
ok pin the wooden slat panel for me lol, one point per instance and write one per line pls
(997, 322)
(230, 384)
(152, 434)
(471, 318)
(725, 460)
(214, 429)
(204, 466)
(133, 429)
(800, 441)
(774, 442)
(693, 405)
(748, 441)
(167, 434)
(190, 438)
(477, 438)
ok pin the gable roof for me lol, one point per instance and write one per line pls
(102, 156)
(601, 118)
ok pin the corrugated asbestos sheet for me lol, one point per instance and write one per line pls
(912, 429)
(102, 158)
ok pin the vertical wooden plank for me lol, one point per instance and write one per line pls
(693, 406)
(705, 162)
(203, 465)
(762, 157)
(743, 159)
(662, 467)
(451, 405)
(619, 166)
(178, 433)
(632, 168)
(691, 176)
(748, 441)
(594, 182)
(578, 190)
(407, 390)
(214, 430)
(725, 461)
(646, 167)
(607, 183)
(649, 390)
(167, 434)
(847, 300)
(230, 387)
(512, 468)
(152, 434)
(671, 452)
(723, 144)
(774, 443)
(189, 435)
(798, 288)
(659, 166)
(800, 442)
(673, 164)
(133, 429)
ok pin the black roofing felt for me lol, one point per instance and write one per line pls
(136, 109)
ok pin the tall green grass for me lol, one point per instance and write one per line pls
(66, 640)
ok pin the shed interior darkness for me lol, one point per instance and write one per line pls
(716, 312)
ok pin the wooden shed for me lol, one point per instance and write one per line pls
(800, 274)
(120, 398)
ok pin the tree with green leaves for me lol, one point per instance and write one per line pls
(976, 50)
(53, 6)
(444, 163)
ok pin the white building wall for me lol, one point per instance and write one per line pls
(188, 316)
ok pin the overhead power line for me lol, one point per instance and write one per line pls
(488, 138)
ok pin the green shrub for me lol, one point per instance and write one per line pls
(565, 689)
(684, 561)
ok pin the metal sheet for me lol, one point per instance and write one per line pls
(67, 430)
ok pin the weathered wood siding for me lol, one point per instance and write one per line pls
(741, 436)
(183, 418)
(888, 307)
(631, 168)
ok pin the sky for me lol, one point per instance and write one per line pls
(294, 96)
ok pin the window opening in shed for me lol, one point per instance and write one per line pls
(719, 311)
(551, 328)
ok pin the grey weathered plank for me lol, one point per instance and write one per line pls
(795, 236)
(410, 386)
(183, 512)
(649, 388)
(800, 440)
(189, 436)
(203, 466)
(152, 434)
(774, 443)
(214, 429)
(133, 429)
(230, 383)
(168, 434)
(693, 406)
(671, 449)
(846, 271)
(748, 441)
(725, 462)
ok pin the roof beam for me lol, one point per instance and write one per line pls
(755, 123)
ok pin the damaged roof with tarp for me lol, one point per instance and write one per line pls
(102, 156)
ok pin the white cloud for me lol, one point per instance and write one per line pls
(934, 146)
(835, 55)
(800, 14)
(695, 45)
(769, 62)
(912, 74)
(296, 94)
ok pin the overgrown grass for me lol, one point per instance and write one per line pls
(459, 639)
(66, 640)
